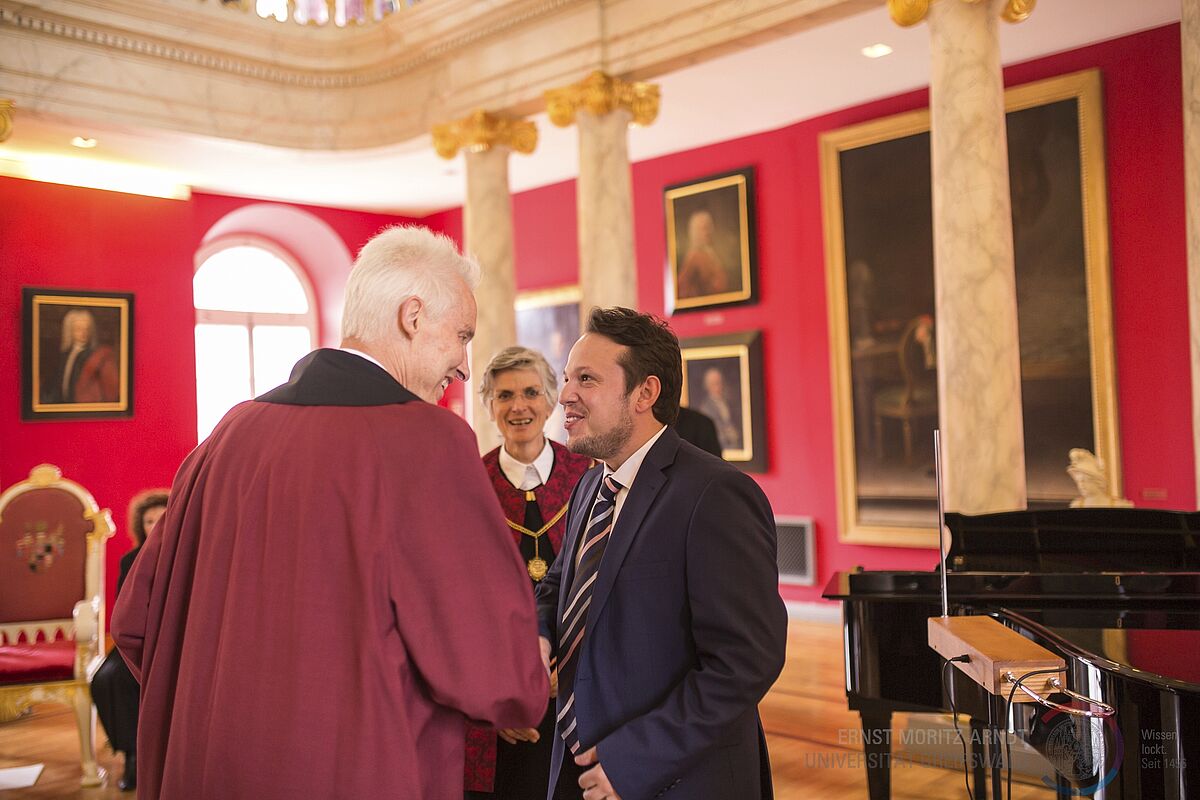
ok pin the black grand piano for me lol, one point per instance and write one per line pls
(1114, 591)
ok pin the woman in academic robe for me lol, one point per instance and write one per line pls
(114, 689)
(533, 478)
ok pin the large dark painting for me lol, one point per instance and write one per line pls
(880, 257)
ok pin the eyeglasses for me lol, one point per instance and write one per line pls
(530, 393)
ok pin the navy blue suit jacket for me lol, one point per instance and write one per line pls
(686, 630)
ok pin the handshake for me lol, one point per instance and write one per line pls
(531, 735)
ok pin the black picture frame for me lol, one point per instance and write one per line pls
(100, 384)
(712, 241)
(723, 379)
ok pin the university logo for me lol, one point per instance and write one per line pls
(1086, 752)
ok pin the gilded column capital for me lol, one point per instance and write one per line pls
(601, 93)
(483, 130)
(6, 119)
(906, 13)
(1017, 10)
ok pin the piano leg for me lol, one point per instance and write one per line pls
(978, 757)
(995, 762)
(877, 747)
(987, 754)
(996, 722)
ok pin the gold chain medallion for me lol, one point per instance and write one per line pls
(537, 568)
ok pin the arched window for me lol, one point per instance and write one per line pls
(256, 316)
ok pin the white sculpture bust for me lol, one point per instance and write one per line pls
(1088, 472)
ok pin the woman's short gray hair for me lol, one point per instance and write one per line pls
(400, 262)
(518, 358)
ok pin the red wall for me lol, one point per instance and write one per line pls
(59, 236)
(79, 238)
(1145, 176)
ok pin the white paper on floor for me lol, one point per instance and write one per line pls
(20, 777)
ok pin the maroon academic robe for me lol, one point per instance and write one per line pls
(551, 499)
(325, 602)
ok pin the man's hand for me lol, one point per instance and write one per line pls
(544, 643)
(514, 735)
(594, 782)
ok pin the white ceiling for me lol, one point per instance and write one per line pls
(761, 88)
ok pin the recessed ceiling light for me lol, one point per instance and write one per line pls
(877, 50)
(84, 142)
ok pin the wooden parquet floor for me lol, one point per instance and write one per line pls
(814, 738)
(811, 734)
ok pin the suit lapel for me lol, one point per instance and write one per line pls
(650, 479)
(576, 519)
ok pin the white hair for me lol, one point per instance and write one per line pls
(68, 327)
(697, 222)
(518, 357)
(400, 262)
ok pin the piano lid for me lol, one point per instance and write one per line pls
(1153, 647)
(1068, 540)
(1168, 590)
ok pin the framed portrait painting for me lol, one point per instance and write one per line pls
(722, 379)
(880, 273)
(548, 320)
(711, 247)
(77, 354)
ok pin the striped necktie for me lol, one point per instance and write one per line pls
(573, 625)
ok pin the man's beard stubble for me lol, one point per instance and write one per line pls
(603, 446)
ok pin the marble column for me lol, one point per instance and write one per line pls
(979, 365)
(602, 107)
(1190, 32)
(487, 140)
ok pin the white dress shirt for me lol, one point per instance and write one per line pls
(361, 354)
(627, 473)
(527, 477)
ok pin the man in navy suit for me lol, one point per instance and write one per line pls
(664, 619)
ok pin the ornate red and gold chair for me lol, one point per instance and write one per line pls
(52, 537)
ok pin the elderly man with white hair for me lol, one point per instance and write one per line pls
(326, 602)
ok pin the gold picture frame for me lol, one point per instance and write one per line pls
(77, 354)
(711, 241)
(873, 516)
(549, 321)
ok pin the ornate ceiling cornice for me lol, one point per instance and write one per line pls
(197, 68)
(26, 18)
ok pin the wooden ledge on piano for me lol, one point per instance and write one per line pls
(994, 650)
